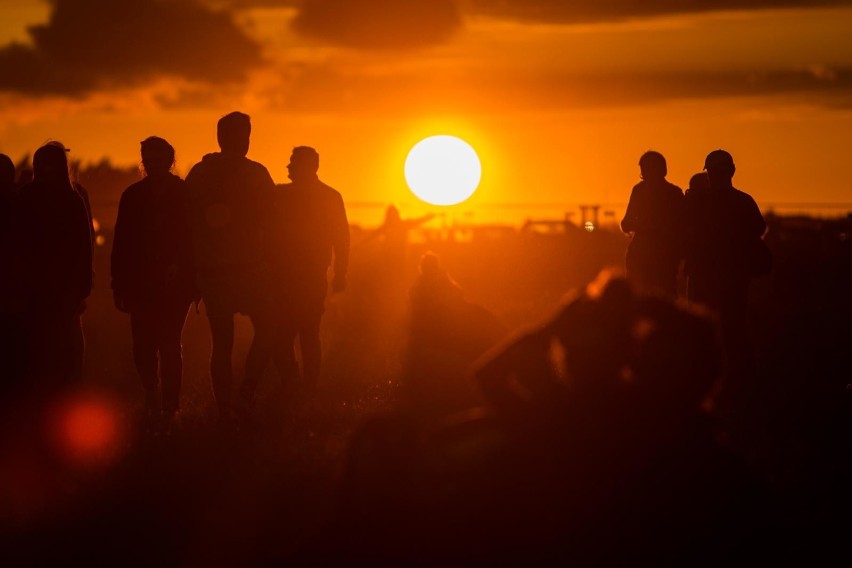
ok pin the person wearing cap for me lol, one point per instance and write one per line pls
(153, 277)
(724, 225)
(311, 235)
(655, 219)
(52, 268)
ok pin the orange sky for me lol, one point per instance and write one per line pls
(558, 98)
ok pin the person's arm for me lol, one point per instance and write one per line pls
(756, 222)
(340, 244)
(630, 222)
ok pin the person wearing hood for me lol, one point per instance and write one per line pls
(231, 199)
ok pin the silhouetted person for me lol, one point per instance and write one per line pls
(725, 227)
(312, 229)
(230, 200)
(153, 276)
(12, 344)
(655, 217)
(446, 334)
(7, 189)
(51, 232)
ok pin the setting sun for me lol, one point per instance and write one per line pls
(442, 170)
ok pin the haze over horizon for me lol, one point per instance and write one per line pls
(559, 99)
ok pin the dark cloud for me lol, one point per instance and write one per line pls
(327, 89)
(92, 43)
(378, 24)
(580, 11)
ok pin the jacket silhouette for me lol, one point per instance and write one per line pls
(152, 246)
(655, 217)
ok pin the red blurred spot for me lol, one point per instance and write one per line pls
(89, 430)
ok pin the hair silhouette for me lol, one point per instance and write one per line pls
(233, 132)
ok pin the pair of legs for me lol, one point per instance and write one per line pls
(259, 356)
(158, 354)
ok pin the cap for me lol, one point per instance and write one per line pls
(718, 158)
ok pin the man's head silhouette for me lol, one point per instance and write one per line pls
(652, 166)
(158, 156)
(233, 132)
(50, 163)
(720, 168)
(304, 163)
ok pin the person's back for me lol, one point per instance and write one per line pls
(153, 276)
(231, 196)
(725, 228)
(230, 203)
(311, 230)
(655, 217)
(53, 239)
(152, 245)
(723, 223)
(311, 220)
(52, 267)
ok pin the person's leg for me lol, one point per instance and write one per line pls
(259, 354)
(221, 371)
(171, 355)
(311, 348)
(284, 352)
(143, 330)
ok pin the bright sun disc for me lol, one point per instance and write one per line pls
(442, 170)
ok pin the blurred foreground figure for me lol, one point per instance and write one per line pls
(447, 333)
(51, 235)
(655, 218)
(598, 452)
(230, 201)
(725, 251)
(152, 274)
(311, 229)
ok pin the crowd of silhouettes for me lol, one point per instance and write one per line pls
(227, 237)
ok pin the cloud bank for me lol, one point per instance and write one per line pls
(88, 44)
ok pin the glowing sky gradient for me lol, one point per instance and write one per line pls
(558, 99)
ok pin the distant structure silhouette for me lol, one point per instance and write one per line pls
(51, 234)
(393, 233)
(311, 234)
(725, 251)
(153, 276)
(655, 218)
(230, 204)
